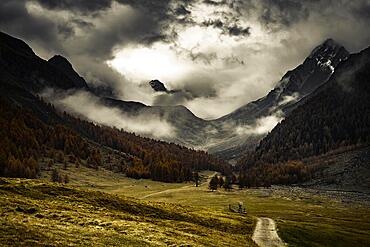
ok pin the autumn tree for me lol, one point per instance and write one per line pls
(50, 164)
(213, 183)
(227, 184)
(220, 181)
(196, 178)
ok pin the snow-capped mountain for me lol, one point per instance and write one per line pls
(315, 70)
(297, 83)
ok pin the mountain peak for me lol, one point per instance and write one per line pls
(330, 42)
(59, 60)
(328, 48)
(158, 86)
(63, 65)
(315, 70)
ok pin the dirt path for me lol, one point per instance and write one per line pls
(167, 191)
(265, 234)
(181, 188)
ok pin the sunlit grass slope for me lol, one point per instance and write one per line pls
(40, 213)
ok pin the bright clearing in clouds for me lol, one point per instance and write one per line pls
(141, 63)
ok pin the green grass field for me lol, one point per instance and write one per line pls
(40, 213)
(305, 220)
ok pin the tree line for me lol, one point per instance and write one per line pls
(25, 137)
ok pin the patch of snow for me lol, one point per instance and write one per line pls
(327, 64)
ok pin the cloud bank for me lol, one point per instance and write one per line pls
(88, 106)
(262, 125)
(222, 53)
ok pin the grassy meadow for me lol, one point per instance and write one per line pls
(111, 209)
(40, 213)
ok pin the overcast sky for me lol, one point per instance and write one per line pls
(221, 54)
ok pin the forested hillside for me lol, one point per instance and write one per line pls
(336, 116)
(25, 138)
(31, 129)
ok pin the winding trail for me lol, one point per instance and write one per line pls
(186, 187)
(167, 191)
(265, 234)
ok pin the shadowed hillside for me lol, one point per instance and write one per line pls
(336, 116)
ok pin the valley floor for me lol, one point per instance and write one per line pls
(40, 213)
(95, 204)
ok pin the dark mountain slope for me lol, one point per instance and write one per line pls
(299, 82)
(25, 138)
(294, 85)
(190, 130)
(335, 116)
(347, 170)
(125, 106)
(31, 129)
(62, 64)
(21, 66)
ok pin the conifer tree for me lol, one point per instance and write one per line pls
(196, 178)
(227, 184)
(213, 183)
(220, 181)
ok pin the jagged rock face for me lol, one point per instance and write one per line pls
(158, 86)
(315, 70)
(65, 66)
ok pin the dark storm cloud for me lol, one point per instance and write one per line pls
(182, 11)
(214, 23)
(65, 30)
(84, 6)
(362, 11)
(15, 19)
(155, 37)
(158, 8)
(104, 25)
(232, 29)
(88, 32)
(283, 12)
(122, 30)
(214, 3)
(153, 17)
